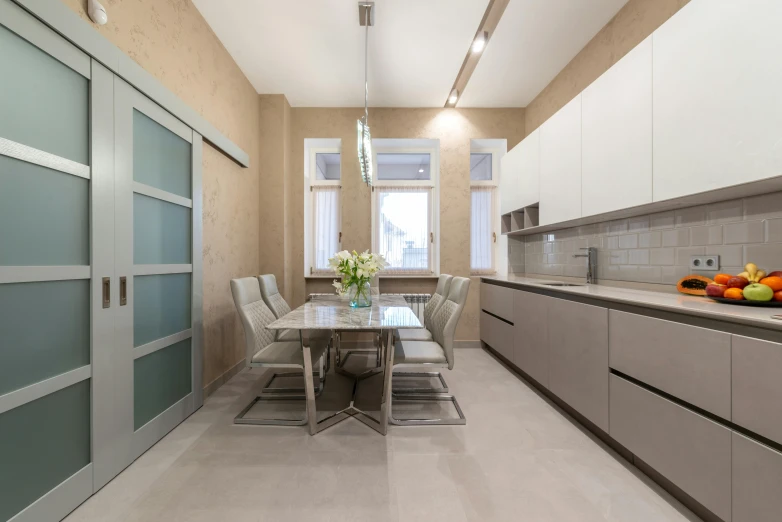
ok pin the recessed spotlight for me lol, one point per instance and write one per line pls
(454, 97)
(420, 171)
(480, 42)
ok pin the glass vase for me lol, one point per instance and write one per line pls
(360, 295)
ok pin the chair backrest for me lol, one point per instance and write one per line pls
(437, 299)
(255, 315)
(374, 285)
(272, 297)
(447, 317)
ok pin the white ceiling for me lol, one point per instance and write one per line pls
(534, 40)
(313, 50)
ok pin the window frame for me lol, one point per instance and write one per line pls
(411, 146)
(493, 183)
(311, 181)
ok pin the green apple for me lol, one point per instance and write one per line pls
(758, 292)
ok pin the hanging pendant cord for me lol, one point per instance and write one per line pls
(366, 53)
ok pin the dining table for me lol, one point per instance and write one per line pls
(385, 315)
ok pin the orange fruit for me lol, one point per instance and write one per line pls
(734, 293)
(774, 282)
(722, 279)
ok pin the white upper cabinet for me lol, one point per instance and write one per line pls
(529, 170)
(616, 112)
(560, 165)
(717, 96)
(510, 167)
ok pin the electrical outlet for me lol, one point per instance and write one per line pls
(708, 263)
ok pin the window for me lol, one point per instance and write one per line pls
(322, 215)
(404, 203)
(483, 215)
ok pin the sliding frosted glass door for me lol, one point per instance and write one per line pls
(158, 255)
(48, 279)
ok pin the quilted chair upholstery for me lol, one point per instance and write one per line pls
(437, 299)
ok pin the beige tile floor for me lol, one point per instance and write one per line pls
(519, 458)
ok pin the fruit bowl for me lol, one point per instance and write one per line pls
(745, 302)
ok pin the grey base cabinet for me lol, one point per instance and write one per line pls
(690, 450)
(757, 481)
(578, 357)
(531, 335)
(497, 334)
(757, 387)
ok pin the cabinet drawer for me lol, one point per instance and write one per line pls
(497, 334)
(688, 362)
(578, 357)
(688, 449)
(757, 481)
(497, 300)
(757, 386)
(530, 326)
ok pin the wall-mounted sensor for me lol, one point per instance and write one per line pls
(97, 12)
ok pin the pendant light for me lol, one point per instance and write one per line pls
(366, 18)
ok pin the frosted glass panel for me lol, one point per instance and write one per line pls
(160, 379)
(161, 306)
(43, 103)
(161, 232)
(161, 159)
(45, 331)
(44, 215)
(42, 443)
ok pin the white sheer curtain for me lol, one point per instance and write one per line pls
(325, 212)
(481, 230)
(402, 235)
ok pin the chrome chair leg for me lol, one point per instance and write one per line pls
(433, 397)
(400, 390)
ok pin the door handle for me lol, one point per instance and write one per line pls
(106, 284)
(123, 291)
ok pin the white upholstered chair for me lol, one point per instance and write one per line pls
(425, 334)
(263, 350)
(277, 304)
(437, 353)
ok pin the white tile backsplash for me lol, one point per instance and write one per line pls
(656, 248)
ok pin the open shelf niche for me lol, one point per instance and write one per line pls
(519, 219)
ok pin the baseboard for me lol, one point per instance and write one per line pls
(213, 386)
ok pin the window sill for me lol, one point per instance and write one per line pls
(324, 276)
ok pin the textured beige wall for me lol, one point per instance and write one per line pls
(454, 128)
(629, 27)
(171, 40)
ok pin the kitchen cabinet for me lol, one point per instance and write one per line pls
(560, 165)
(688, 449)
(717, 112)
(531, 334)
(757, 476)
(757, 386)
(529, 170)
(616, 112)
(497, 300)
(510, 178)
(578, 357)
(685, 361)
(497, 334)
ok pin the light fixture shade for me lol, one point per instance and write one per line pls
(364, 151)
(453, 97)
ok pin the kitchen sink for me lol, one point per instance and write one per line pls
(562, 284)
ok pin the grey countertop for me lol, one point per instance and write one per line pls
(672, 302)
(335, 313)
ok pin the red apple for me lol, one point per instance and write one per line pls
(737, 282)
(776, 273)
(715, 290)
(778, 295)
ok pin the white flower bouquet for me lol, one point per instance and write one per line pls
(356, 270)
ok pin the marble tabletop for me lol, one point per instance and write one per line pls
(335, 313)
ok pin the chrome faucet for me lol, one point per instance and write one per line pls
(591, 256)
